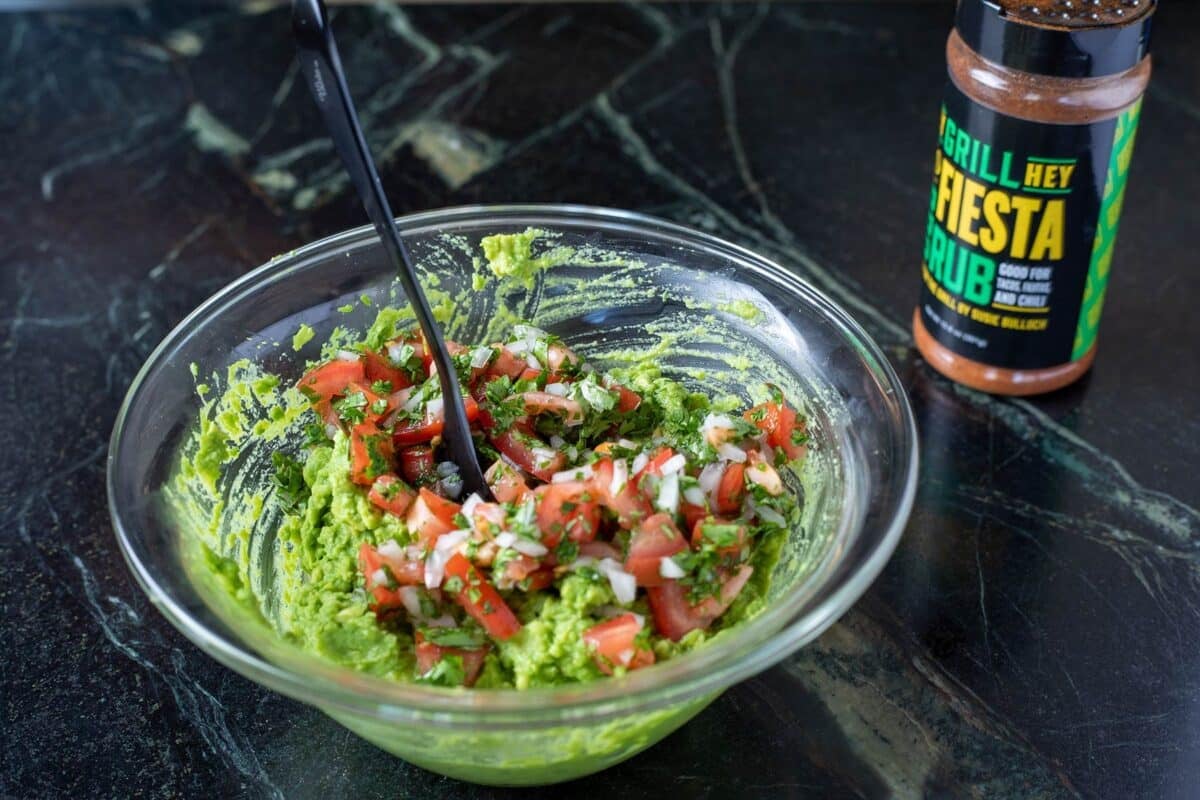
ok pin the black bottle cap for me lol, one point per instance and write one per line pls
(1019, 39)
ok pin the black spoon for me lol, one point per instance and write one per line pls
(323, 68)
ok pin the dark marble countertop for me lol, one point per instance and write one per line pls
(1034, 636)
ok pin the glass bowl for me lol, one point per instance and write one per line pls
(711, 312)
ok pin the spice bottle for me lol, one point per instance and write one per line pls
(1034, 142)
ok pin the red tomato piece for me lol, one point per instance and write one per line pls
(370, 453)
(731, 490)
(522, 447)
(627, 400)
(386, 597)
(630, 505)
(325, 381)
(692, 514)
(481, 600)
(614, 644)
(416, 464)
(599, 550)
(378, 367)
(391, 494)
(431, 516)
(547, 403)
(566, 508)
(506, 483)
(488, 519)
(429, 654)
(778, 422)
(505, 363)
(654, 466)
(674, 617)
(540, 579)
(655, 539)
(423, 430)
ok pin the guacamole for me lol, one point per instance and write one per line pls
(632, 519)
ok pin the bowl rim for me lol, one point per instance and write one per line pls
(704, 671)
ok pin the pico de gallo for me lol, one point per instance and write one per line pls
(660, 506)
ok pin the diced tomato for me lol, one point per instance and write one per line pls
(654, 466)
(655, 538)
(506, 483)
(375, 407)
(566, 508)
(674, 617)
(530, 374)
(627, 400)
(542, 376)
(370, 453)
(391, 494)
(540, 579)
(731, 551)
(558, 354)
(387, 597)
(778, 422)
(378, 367)
(546, 403)
(505, 363)
(520, 568)
(614, 644)
(481, 600)
(692, 514)
(731, 490)
(431, 426)
(488, 518)
(431, 516)
(416, 464)
(522, 447)
(429, 654)
(630, 505)
(325, 381)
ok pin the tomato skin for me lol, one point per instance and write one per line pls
(370, 453)
(731, 490)
(325, 381)
(613, 644)
(630, 505)
(391, 494)
(540, 579)
(563, 509)
(547, 403)
(429, 654)
(675, 617)
(481, 600)
(778, 422)
(506, 483)
(377, 367)
(430, 516)
(416, 464)
(518, 443)
(655, 538)
(423, 430)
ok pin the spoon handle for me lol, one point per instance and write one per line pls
(323, 69)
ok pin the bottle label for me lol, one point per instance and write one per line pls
(1019, 239)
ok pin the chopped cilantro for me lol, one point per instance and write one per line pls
(453, 585)
(447, 672)
(381, 387)
(290, 487)
(454, 637)
(350, 409)
(315, 435)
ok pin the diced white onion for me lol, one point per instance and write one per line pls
(523, 331)
(574, 474)
(768, 514)
(347, 355)
(470, 504)
(581, 562)
(542, 456)
(620, 476)
(694, 495)
(518, 348)
(668, 494)
(532, 361)
(557, 441)
(413, 400)
(710, 477)
(623, 584)
(533, 549)
(558, 389)
(713, 421)
(768, 452)
(640, 462)
(379, 577)
(627, 444)
(675, 463)
(433, 409)
(411, 597)
(414, 552)
(435, 568)
(444, 621)
(625, 656)
(506, 538)
(669, 569)
(732, 452)
(331, 429)
(390, 549)
(480, 356)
